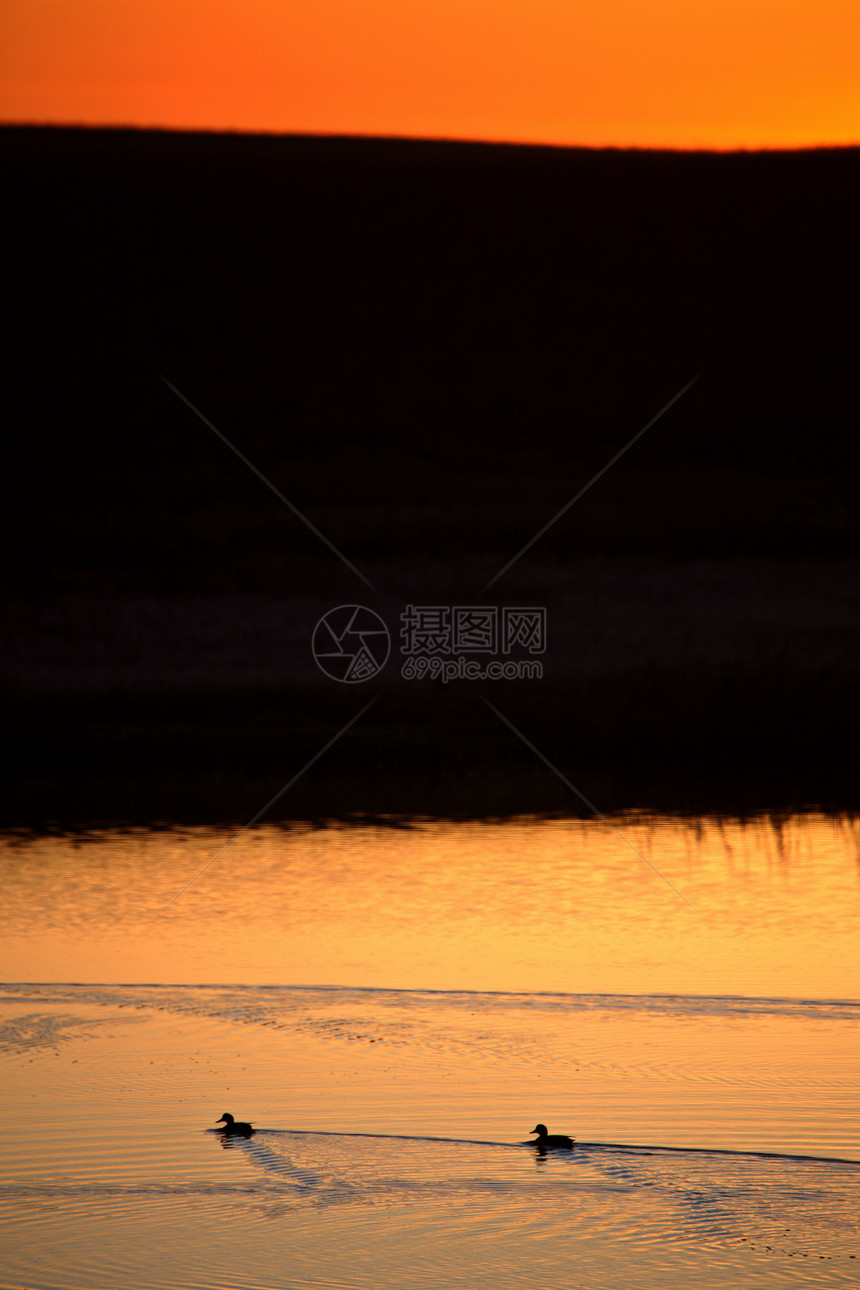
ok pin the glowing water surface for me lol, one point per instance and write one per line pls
(395, 1009)
(766, 908)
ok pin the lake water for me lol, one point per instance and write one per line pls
(395, 1008)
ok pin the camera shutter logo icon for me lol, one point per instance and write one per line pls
(351, 644)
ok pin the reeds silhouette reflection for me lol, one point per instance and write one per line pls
(449, 906)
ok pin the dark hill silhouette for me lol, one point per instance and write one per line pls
(428, 348)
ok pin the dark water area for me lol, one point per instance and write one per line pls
(428, 349)
(148, 773)
(720, 689)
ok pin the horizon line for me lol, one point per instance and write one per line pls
(456, 140)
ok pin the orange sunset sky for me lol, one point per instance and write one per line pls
(676, 73)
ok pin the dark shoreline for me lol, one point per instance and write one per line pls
(218, 757)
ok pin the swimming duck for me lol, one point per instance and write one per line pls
(548, 1140)
(235, 1126)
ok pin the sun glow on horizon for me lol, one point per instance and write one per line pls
(723, 74)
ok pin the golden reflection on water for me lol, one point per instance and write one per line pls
(566, 906)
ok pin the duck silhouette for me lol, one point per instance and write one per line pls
(235, 1127)
(547, 1141)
